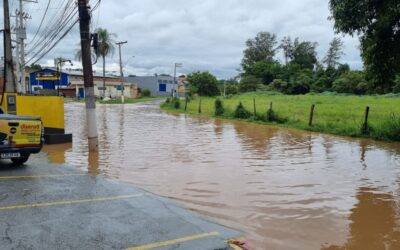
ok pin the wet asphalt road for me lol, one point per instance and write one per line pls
(55, 206)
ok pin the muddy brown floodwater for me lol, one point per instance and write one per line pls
(284, 189)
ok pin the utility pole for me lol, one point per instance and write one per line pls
(175, 91)
(90, 98)
(21, 36)
(9, 79)
(60, 61)
(121, 71)
(18, 72)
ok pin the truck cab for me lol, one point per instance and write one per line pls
(20, 136)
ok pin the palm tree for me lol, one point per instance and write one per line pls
(105, 48)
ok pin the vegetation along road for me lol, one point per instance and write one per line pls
(335, 114)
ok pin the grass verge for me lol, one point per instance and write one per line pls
(333, 114)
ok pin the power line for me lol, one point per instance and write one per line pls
(48, 45)
(41, 22)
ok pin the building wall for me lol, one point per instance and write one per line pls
(158, 85)
(112, 89)
(48, 84)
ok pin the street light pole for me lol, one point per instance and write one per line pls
(121, 71)
(175, 91)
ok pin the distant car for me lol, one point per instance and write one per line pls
(20, 136)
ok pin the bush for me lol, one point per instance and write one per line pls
(168, 100)
(231, 89)
(241, 112)
(351, 82)
(249, 83)
(279, 85)
(271, 116)
(146, 93)
(176, 103)
(219, 108)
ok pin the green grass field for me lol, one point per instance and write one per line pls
(335, 114)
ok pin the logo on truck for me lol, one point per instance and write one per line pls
(13, 130)
(27, 128)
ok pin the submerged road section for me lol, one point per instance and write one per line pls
(54, 206)
(283, 188)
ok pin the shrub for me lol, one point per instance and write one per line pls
(249, 83)
(271, 116)
(168, 100)
(219, 108)
(241, 112)
(176, 103)
(146, 93)
(231, 89)
(351, 82)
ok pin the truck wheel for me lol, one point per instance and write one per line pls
(21, 160)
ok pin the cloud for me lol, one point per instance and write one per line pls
(203, 35)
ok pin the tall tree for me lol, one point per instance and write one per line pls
(105, 48)
(378, 25)
(204, 83)
(287, 46)
(334, 53)
(260, 48)
(305, 54)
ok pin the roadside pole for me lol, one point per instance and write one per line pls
(18, 66)
(121, 73)
(175, 91)
(8, 62)
(90, 98)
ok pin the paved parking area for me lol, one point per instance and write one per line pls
(53, 206)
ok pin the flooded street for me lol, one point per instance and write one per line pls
(284, 189)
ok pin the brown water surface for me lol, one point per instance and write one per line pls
(284, 189)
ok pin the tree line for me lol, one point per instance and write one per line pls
(376, 23)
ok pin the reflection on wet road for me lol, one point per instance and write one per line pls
(285, 189)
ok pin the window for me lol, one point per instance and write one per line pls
(159, 81)
(165, 81)
(170, 81)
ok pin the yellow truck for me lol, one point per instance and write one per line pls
(20, 136)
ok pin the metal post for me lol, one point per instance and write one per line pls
(9, 79)
(58, 76)
(121, 71)
(175, 91)
(90, 99)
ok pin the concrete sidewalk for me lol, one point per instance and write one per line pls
(51, 206)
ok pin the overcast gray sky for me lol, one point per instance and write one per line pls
(203, 35)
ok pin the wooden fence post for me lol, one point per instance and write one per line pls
(269, 113)
(365, 125)
(200, 105)
(310, 122)
(254, 106)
